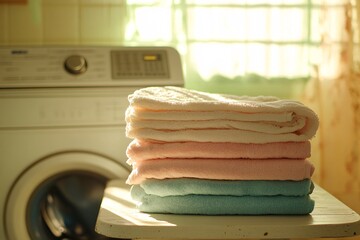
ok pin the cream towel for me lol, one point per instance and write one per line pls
(179, 114)
(134, 121)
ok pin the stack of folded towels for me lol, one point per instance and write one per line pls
(217, 154)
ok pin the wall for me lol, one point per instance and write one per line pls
(56, 22)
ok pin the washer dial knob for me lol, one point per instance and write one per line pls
(75, 64)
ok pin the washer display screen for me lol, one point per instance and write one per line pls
(139, 65)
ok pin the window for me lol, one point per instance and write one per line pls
(235, 41)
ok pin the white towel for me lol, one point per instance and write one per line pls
(179, 114)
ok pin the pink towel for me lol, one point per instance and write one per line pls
(144, 150)
(221, 169)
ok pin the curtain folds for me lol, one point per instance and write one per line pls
(334, 93)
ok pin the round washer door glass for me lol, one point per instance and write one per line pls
(66, 206)
(59, 197)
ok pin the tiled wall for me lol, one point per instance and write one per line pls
(63, 22)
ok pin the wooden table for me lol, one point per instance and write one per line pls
(119, 218)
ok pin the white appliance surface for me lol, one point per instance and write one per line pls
(62, 116)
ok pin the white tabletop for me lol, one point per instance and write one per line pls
(119, 218)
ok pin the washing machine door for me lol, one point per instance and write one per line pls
(59, 197)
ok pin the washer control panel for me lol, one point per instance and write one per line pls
(89, 66)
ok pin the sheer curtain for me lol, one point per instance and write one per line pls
(334, 92)
(234, 46)
(303, 49)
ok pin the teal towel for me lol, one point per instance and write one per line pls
(222, 205)
(186, 186)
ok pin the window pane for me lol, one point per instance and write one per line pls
(217, 23)
(288, 24)
(151, 24)
(315, 25)
(289, 61)
(257, 23)
(253, 24)
(233, 60)
(218, 59)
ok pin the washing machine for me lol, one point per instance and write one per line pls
(62, 132)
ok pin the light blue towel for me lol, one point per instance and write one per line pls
(222, 205)
(186, 186)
